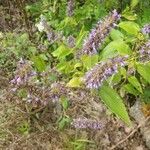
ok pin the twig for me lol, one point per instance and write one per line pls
(134, 131)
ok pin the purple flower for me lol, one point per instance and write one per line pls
(97, 35)
(94, 78)
(84, 123)
(146, 29)
(70, 8)
(144, 52)
(24, 73)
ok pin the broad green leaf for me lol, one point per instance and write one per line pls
(134, 81)
(61, 52)
(89, 61)
(115, 79)
(146, 95)
(144, 71)
(130, 89)
(115, 47)
(39, 63)
(129, 15)
(134, 3)
(74, 82)
(116, 34)
(109, 51)
(65, 67)
(130, 27)
(114, 102)
(61, 66)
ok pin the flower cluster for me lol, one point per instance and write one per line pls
(23, 74)
(44, 94)
(97, 35)
(70, 7)
(83, 123)
(144, 52)
(101, 71)
(146, 29)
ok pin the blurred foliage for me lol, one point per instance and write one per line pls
(49, 48)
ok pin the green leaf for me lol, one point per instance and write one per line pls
(130, 89)
(115, 79)
(134, 81)
(63, 122)
(146, 95)
(116, 34)
(74, 82)
(43, 56)
(61, 52)
(61, 66)
(115, 47)
(130, 27)
(32, 49)
(64, 102)
(129, 15)
(144, 71)
(134, 3)
(39, 63)
(65, 67)
(89, 61)
(114, 103)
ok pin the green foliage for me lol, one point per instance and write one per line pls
(13, 47)
(130, 27)
(24, 128)
(144, 71)
(114, 102)
(125, 39)
(39, 63)
(134, 81)
(63, 122)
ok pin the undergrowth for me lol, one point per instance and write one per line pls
(64, 63)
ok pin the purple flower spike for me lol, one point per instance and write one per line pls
(70, 8)
(146, 29)
(97, 35)
(84, 123)
(94, 78)
(144, 52)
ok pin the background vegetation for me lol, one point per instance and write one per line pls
(62, 62)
